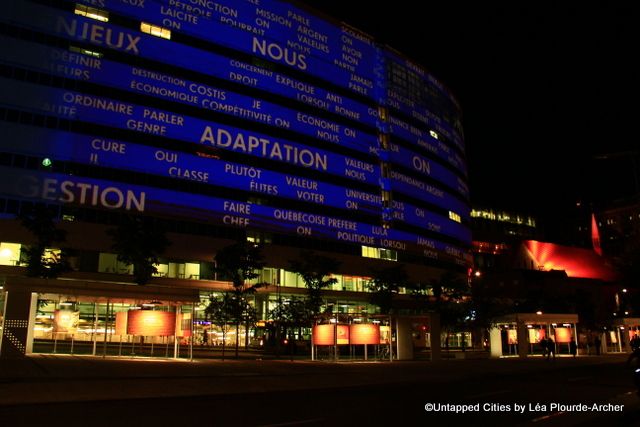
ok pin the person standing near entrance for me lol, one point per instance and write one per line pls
(551, 348)
(573, 348)
(543, 344)
(597, 343)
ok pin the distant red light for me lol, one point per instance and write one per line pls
(576, 262)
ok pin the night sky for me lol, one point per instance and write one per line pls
(544, 89)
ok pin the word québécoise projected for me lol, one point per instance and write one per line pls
(92, 150)
(278, 32)
(82, 191)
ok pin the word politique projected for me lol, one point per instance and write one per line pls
(267, 29)
(91, 192)
(93, 150)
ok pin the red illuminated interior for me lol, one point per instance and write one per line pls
(576, 262)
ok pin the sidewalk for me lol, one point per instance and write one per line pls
(58, 378)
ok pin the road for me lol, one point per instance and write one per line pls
(398, 398)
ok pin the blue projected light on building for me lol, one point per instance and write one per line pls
(261, 100)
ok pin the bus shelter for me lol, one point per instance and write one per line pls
(520, 334)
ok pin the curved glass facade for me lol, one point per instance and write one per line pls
(264, 118)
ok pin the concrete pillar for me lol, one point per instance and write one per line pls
(19, 320)
(624, 339)
(523, 338)
(495, 342)
(261, 306)
(434, 329)
(404, 341)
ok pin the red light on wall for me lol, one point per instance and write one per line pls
(536, 335)
(151, 323)
(385, 334)
(364, 333)
(65, 321)
(576, 262)
(563, 335)
(121, 323)
(184, 325)
(324, 334)
(343, 334)
(595, 236)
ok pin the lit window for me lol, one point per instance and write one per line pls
(454, 216)
(51, 256)
(155, 30)
(91, 12)
(382, 112)
(384, 141)
(10, 253)
(433, 134)
(258, 238)
(379, 253)
(386, 197)
(85, 51)
(389, 254)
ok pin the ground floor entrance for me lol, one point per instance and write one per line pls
(97, 318)
(534, 334)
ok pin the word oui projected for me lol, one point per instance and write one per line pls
(321, 152)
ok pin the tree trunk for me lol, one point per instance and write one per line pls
(277, 333)
(224, 339)
(237, 338)
(246, 335)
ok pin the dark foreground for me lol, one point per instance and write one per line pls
(59, 390)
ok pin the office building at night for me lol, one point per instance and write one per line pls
(546, 289)
(216, 122)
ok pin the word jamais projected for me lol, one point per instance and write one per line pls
(261, 97)
(91, 192)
